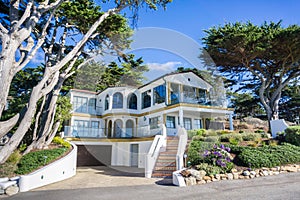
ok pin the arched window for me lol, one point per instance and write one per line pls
(106, 103)
(117, 100)
(132, 101)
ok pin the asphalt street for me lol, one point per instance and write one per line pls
(283, 186)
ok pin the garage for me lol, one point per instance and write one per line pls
(94, 155)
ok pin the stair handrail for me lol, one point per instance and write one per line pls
(158, 145)
(183, 138)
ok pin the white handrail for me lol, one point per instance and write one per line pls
(158, 145)
(182, 134)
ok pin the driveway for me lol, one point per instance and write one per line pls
(105, 186)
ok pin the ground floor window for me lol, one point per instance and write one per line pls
(170, 122)
(197, 124)
(153, 122)
(187, 123)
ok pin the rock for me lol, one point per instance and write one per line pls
(218, 177)
(246, 173)
(247, 177)
(257, 175)
(197, 174)
(233, 170)
(215, 180)
(252, 173)
(12, 190)
(202, 173)
(261, 174)
(252, 176)
(224, 178)
(185, 173)
(276, 173)
(206, 178)
(201, 182)
(241, 177)
(265, 172)
(230, 176)
(271, 173)
(208, 181)
(7, 184)
(291, 169)
(235, 175)
(275, 169)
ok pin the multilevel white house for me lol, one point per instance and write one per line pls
(129, 117)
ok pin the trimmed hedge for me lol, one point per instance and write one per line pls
(293, 135)
(269, 156)
(36, 159)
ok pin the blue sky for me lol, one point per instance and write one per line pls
(191, 17)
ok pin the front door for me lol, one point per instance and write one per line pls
(134, 155)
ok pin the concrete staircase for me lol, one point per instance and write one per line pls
(166, 161)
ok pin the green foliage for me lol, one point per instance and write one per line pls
(210, 169)
(251, 136)
(14, 157)
(269, 156)
(233, 141)
(213, 139)
(198, 132)
(61, 141)
(196, 150)
(198, 138)
(37, 159)
(293, 135)
(63, 110)
(226, 137)
(223, 132)
(22, 147)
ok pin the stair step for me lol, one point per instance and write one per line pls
(164, 164)
(165, 168)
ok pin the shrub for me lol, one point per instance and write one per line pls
(217, 156)
(293, 135)
(269, 156)
(198, 138)
(200, 132)
(14, 157)
(36, 159)
(213, 139)
(226, 137)
(191, 133)
(210, 132)
(62, 142)
(251, 136)
(210, 169)
(196, 150)
(259, 131)
(233, 141)
(223, 132)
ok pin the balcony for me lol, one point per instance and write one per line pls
(88, 110)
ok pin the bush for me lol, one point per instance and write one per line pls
(259, 131)
(210, 132)
(251, 136)
(269, 156)
(198, 138)
(213, 139)
(196, 150)
(293, 135)
(36, 159)
(210, 169)
(62, 142)
(226, 137)
(233, 141)
(223, 132)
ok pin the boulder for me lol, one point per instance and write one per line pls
(190, 181)
(230, 176)
(206, 178)
(11, 190)
(246, 173)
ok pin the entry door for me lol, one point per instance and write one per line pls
(134, 155)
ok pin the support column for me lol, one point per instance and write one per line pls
(181, 117)
(230, 122)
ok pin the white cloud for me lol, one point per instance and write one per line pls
(38, 58)
(163, 67)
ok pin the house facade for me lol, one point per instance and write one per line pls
(133, 115)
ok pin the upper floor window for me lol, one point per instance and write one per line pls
(146, 99)
(159, 94)
(117, 100)
(92, 103)
(132, 101)
(106, 103)
(174, 93)
(80, 104)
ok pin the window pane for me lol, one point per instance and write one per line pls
(132, 103)
(159, 94)
(170, 122)
(153, 122)
(80, 104)
(106, 102)
(174, 93)
(118, 100)
(187, 123)
(146, 99)
(197, 124)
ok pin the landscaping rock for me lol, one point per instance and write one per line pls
(208, 181)
(246, 173)
(247, 177)
(265, 173)
(276, 173)
(215, 180)
(206, 178)
(190, 181)
(201, 182)
(185, 173)
(11, 190)
(252, 173)
(235, 175)
(241, 177)
(218, 177)
(230, 176)
(257, 175)
(252, 176)
(291, 169)
(271, 173)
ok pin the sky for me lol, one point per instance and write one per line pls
(189, 18)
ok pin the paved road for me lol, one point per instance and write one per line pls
(283, 186)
